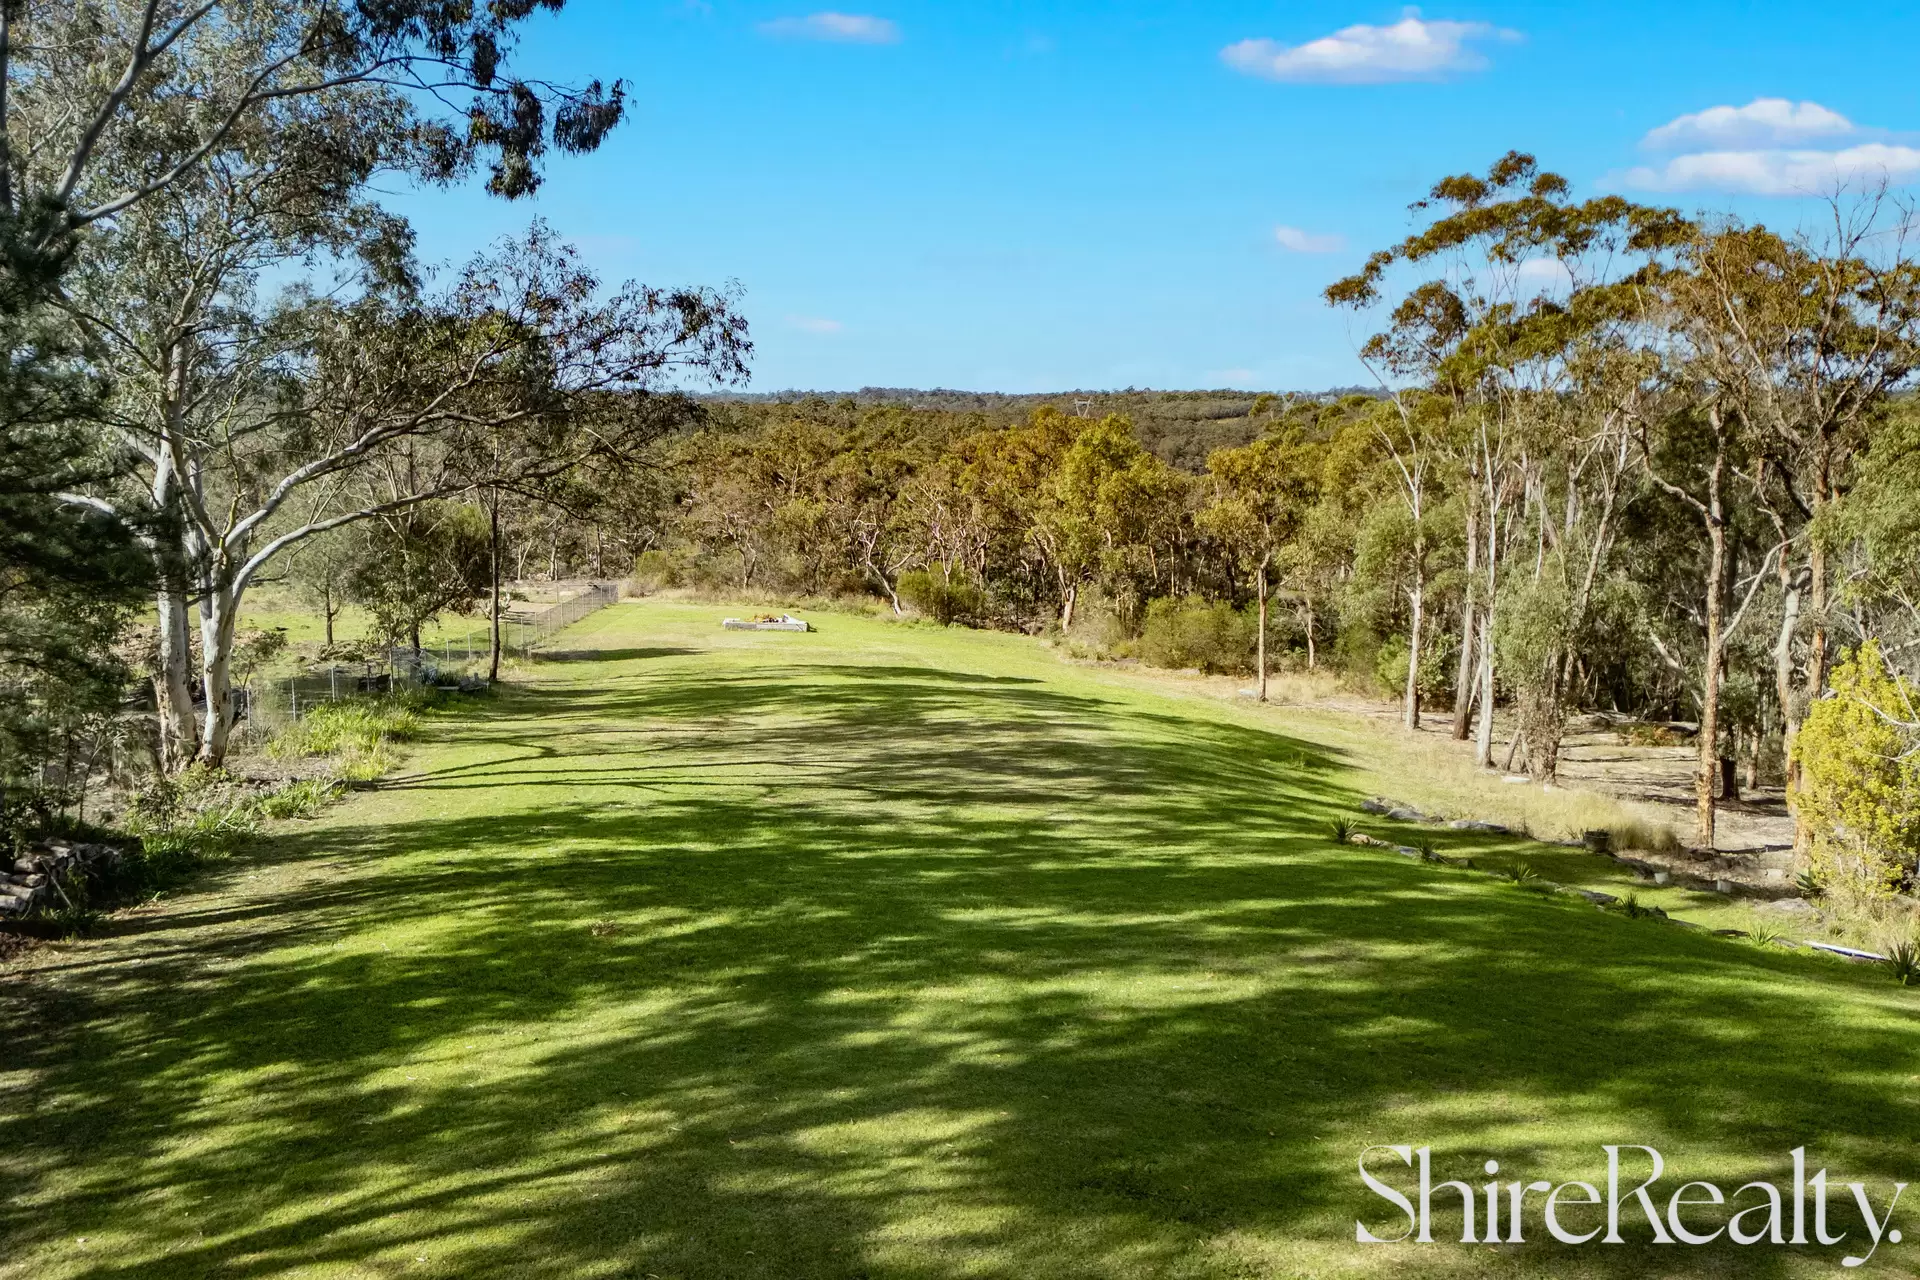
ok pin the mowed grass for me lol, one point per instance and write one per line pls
(893, 952)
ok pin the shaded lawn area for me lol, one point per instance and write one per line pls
(896, 952)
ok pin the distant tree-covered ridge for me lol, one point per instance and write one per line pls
(1180, 427)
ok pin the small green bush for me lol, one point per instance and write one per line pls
(656, 571)
(1342, 830)
(181, 823)
(1644, 734)
(300, 799)
(1644, 836)
(353, 728)
(1190, 632)
(943, 599)
(1860, 780)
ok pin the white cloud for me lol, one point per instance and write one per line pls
(818, 325)
(1772, 147)
(1294, 240)
(1782, 172)
(1761, 124)
(838, 28)
(1410, 49)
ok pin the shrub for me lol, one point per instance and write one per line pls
(1641, 733)
(655, 571)
(1646, 837)
(1104, 625)
(183, 822)
(195, 817)
(943, 598)
(1523, 874)
(1190, 632)
(1860, 778)
(300, 799)
(1342, 830)
(353, 728)
(1903, 961)
(354, 733)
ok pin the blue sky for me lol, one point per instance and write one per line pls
(1041, 196)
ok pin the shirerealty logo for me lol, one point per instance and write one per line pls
(1695, 1213)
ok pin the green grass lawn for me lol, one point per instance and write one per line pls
(889, 951)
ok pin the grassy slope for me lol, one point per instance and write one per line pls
(918, 954)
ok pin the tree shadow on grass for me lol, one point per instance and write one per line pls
(840, 970)
(642, 654)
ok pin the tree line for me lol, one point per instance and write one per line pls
(1619, 459)
(223, 350)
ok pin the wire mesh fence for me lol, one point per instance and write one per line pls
(268, 706)
(522, 632)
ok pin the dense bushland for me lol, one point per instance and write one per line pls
(1620, 460)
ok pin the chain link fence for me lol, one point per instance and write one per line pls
(522, 632)
(268, 706)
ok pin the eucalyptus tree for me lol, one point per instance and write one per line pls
(319, 570)
(1789, 351)
(1111, 513)
(352, 409)
(166, 84)
(1262, 493)
(1804, 340)
(1446, 333)
(1695, 454)
(1874, 531)
(1003, 497)
(169, 297)
(1583, 476)
(1481, 333)
(869, 491)
(956, 534)
(106, 106)
(417, 562)
(1408, 438)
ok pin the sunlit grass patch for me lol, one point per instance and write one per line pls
(889, 951)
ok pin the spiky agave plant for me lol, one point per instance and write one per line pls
(1903, 961)
(1342, 830)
